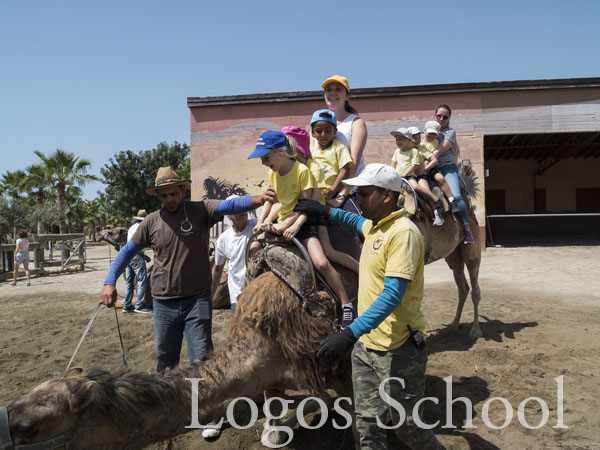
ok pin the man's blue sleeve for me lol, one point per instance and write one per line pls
(121, 261)
(235, 206)
(352, 221)
(389, 299)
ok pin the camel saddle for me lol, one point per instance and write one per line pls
(286, 261)
(423, 208)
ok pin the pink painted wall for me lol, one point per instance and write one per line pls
(222, 136)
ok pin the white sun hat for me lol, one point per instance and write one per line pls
(380, 175)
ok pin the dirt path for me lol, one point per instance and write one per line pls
(539, 314)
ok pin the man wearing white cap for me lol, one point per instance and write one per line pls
(387, 338)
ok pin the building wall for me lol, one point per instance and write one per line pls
(518, 179)
(223, 135)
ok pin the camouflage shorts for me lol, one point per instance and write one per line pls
(369, 369)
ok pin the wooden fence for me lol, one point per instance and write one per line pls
(63, 251)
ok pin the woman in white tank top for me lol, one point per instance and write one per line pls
(352, 130)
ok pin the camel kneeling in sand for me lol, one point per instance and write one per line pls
(272, 347)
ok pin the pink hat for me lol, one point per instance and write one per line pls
(300, 136)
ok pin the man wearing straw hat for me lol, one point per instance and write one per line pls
(178, 234)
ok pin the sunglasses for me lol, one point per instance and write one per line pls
(441, 116)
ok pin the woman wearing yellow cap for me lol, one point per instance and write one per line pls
(352, 130)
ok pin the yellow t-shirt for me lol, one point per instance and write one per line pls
(427, 148)
(405, 159)
(319, 177)
(289, 187)
(395, 248)
(333, 159)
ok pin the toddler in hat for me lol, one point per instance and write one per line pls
(300, 140)
(429, 166)
(292, 180)
(406, 160)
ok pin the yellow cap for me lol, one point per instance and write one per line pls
(337, 79)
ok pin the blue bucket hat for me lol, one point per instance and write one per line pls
(324, 115)
(268, 141)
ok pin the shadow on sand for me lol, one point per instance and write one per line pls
(457, 339)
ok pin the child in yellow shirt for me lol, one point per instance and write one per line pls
(406, 160)
(427, 148)
(292, 180)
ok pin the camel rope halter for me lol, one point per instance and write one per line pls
(6, 443)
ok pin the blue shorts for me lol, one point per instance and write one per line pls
(22, 257)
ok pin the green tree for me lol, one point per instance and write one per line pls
(36, 184)
(11, 184)
(128, 174)
(65, 170)
(15, 214)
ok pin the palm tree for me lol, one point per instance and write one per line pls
(216, 188)
(11, 184)
(65, 171)
(36, 184)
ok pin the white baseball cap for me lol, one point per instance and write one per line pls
(380, 175)
(432, 126)
(414, 130)
(402, 132)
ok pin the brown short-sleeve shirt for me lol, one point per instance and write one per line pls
(181, 264)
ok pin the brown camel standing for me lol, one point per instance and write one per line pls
(446, 241)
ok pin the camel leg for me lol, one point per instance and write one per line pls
(274, 435)
(343, 388)
(456, 263)
(472, 264)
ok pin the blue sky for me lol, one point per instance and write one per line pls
(96, 78)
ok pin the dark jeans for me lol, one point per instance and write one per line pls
(190, 316)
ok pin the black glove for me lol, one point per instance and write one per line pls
(311, 208)
(335, 346)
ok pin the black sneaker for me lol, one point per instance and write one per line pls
(143, 311)
(348, 315)
(127, 310)
(469, 238)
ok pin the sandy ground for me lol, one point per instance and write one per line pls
(539, 312)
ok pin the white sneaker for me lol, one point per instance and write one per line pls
(212, 430)
(439, 220)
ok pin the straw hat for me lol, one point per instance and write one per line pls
(141, 214)
(166, 176)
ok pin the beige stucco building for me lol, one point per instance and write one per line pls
(534, 145)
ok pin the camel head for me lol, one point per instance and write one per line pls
(117, 236)
(50, 410)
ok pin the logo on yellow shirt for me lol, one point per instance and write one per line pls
(377, 243)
